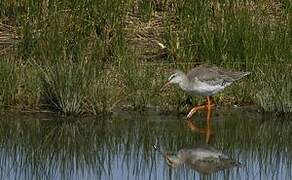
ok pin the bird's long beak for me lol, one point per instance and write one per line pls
(158, 149)
(164, 154)
(164, 86)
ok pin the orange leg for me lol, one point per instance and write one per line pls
(210, 102)
(208, 105)
(194, 110)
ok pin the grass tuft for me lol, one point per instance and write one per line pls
(274, 90)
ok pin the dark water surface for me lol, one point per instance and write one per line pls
(121, 147)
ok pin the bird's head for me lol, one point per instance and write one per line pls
(175, 78)
(173, 161)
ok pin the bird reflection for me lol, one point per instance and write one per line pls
(208, 131)
(202, 158)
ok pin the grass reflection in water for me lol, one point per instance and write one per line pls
(120, 147)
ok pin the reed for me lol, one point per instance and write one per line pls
(8, 83)
(275, 85)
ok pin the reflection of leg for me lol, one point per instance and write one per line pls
(194, 128)
(209, 128)
(208, 132)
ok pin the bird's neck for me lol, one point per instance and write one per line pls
(184, 84)
(176, 161)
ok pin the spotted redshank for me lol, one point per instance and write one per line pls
(204, 80)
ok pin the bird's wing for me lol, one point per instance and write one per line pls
(213, 75)
(209, 74)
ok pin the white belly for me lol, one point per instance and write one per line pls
(204, 89)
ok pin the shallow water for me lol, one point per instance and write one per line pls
(121, 146)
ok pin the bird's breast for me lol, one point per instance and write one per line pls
(203, 89)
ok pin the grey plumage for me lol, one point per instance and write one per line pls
(202, 158)
(213, 75)
(205, 80)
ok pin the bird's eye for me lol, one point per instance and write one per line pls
(171, 77)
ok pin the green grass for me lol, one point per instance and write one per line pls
(8, 82)
(79, 57)
(275, 99)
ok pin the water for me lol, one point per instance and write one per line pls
(121, 147)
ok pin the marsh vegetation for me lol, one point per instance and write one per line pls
(80, 57)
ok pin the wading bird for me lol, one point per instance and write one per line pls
(204, 80)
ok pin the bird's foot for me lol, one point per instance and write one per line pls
(190, 114)
(194, 110)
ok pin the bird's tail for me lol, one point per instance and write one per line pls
(239, 75)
